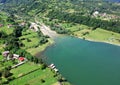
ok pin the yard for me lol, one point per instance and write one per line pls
(33, 78)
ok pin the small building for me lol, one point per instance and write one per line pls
(95, 13)
(6, 53)
(21, 59)
(15, 56)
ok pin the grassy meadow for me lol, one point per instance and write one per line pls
(83, 31)
(34, 76)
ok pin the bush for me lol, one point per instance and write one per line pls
(10, 78)
(28, 40)
(43, 66)
(42, 81)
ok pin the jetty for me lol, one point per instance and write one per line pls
(52, 66)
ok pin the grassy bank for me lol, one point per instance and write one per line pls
(31, 42)
(40, 48)
(86, 32)
(100, 35)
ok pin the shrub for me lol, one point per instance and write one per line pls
(43, 66)
(42, 81)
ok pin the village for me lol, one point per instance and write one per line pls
(21, 67)
(105, 16)
(18, 65)
(20, 60)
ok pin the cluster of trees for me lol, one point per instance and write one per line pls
(2, 35)
(86, 20)
(17, 31)
(43, 39)
(59, 29)
(5, 72)
(54, 25)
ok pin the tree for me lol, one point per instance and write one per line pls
(42, 80)
(6, 73)
(43, 66)
(17, 31)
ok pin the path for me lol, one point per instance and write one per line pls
(45, 29)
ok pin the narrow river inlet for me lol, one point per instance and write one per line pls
(84, 62)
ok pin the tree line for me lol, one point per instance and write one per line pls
(86, 20)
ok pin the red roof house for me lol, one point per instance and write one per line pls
(21, 58)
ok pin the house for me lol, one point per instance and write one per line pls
(15, 56)
(21, 59)
(96, 13)
(5, 53)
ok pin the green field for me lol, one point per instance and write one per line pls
(101, 35)
(32, 36)
(1, 57)
(23, 69)
(6, 30)
(33, 78)
(33, 46)
(40, 48)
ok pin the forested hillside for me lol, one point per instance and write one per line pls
(100, 13)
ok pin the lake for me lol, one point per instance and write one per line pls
(84, 62)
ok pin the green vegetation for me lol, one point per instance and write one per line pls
(73, 17)
(40, 48)
(33, 78)
(103, 35)
(21, 40)
(85, 20)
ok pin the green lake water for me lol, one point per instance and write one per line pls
(84, 62)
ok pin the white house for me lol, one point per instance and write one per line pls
(15, 56)
(95, 13)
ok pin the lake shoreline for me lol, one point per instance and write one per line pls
(84, 55)
(38, 54)
(93, 40)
